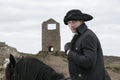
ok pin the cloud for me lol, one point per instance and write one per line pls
(21, 22)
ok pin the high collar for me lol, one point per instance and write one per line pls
(82, 28)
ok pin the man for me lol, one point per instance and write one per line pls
(84, 52)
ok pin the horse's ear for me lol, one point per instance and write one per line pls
(12, 60)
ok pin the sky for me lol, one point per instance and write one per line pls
(21, 22)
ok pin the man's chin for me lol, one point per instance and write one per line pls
(74, 31)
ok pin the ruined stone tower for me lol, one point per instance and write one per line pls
(50, 35)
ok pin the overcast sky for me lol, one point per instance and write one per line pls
(21, 22)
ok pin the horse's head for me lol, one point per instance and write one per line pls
(10, 68)
(30, 69)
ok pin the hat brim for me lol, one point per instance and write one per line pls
(84, 17)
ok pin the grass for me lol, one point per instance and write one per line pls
(1, 68)
(2, 73)
(115, 67)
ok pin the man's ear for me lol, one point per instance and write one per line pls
(12, 60)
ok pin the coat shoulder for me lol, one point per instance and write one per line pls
(90, 33)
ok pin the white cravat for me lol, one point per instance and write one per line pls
(68, 51)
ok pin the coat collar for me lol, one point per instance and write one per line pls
(82, 28)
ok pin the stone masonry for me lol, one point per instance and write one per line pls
(50, 37)
(5, 51)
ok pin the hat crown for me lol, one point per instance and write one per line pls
(71, 12)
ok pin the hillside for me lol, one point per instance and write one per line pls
(58, 61)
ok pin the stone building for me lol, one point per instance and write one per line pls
(51, 35)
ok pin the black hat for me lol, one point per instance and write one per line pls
(76, 15)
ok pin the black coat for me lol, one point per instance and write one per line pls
(85, 56)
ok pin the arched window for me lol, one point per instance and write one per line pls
(50, 49)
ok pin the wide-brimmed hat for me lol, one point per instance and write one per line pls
(76, 15)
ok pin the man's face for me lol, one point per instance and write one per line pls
(73, 24)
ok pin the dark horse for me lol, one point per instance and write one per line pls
(28, 68)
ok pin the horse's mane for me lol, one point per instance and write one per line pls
(28, 68)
